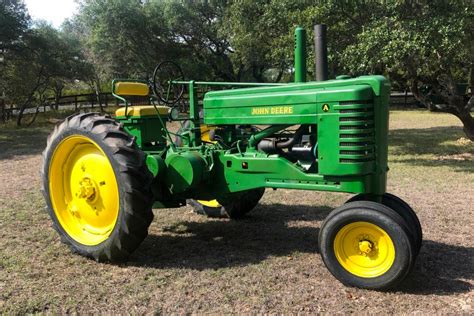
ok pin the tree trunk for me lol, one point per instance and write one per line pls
(33, 119)
(58, 91)
(468, 122)
(420, 97)
(2, 108)
(23, 108)
(454, 105)
(39, 82)
(280, 73)
(26, 103)
(94, 84)
(20, 115)
(471, 84)
(97, 94)
(9, 113)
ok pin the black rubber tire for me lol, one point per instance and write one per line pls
(133, 177)
(233, 208)
(404, 210)
(381, 216)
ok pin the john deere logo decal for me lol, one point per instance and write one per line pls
(325, 107)
(272, 110)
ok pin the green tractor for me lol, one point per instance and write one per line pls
(102, 176)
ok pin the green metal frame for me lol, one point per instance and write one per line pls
(194, 104)
(349, 116)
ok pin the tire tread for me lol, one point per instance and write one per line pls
(136, 215)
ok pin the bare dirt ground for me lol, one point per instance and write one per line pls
(266, 263)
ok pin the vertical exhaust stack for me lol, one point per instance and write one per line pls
(300, 55)
(320, 52)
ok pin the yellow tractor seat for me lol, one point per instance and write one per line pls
(143, 110)
(124, 88)
(127, 88)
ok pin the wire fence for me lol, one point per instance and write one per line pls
(92, 101)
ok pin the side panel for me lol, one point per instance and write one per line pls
(262, 108)
(381, 110)
(148, 132)
(253, 171)
(276, 105)
(346, 138)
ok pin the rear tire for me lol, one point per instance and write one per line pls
(97, 187)
(366, 245)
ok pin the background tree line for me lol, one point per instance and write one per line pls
(424, 46)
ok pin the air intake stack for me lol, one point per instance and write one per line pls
(300, 55)
(320, 52)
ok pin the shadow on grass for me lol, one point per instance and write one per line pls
(23, 141)
(419, 141)
(439, 142)
(440, 268)
(221, 243)
(459, 165)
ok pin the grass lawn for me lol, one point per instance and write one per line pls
(266, 263)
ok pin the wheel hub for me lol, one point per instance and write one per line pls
(87, 190)
(366, 247)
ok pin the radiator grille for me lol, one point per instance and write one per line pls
(356, 132)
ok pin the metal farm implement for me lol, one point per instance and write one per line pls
(102, 176)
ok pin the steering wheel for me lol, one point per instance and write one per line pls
(163, 87)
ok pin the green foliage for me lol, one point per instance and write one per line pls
(40, 58)
(46, 56)
(416, 44)
(14, 21)
(248, 40)
(427, 47)
(257, 34)
(194, 26)
(411, 41)
(125, 38)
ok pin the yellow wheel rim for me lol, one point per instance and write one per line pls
(364, 249)
(83, 190)
(205, 133)
(210, 203)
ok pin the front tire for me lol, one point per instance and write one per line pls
(366, 245)
(403, 209)
(97, 187)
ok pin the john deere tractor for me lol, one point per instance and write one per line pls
(103, 175)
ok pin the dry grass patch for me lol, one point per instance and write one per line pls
(267, 262)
